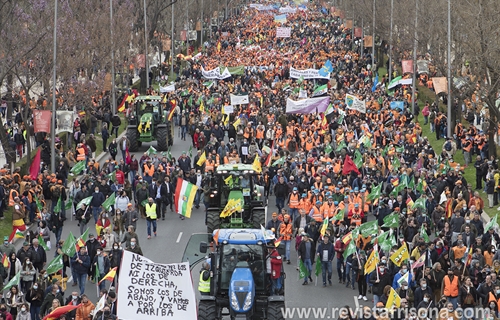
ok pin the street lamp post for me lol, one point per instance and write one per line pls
(113, 93)
(449, 124)
(53, 126)
(390, 42)
(172, 42)
(146, 46)
(414, 76)
(373, 37)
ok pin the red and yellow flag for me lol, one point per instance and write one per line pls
(109, 276)
(58, 312)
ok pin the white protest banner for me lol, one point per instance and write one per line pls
(228, 109)
(154, 291)
(235, 100)
(307, 106)
(282, 32)
(422, 66)
(287, 9)
(354, 103)
(307, 74)
(64, 121)
(215, 73)
(169, 88)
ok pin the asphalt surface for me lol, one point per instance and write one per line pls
(174, 233)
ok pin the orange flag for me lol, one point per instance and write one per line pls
(54, 315)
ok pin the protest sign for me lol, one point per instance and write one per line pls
(41, 119)
(423, 66)
(440, 84)
(407, 66)
(64, 121)
(358, 32)
(354, 103)
(287, 9)
(368, 42)
(307, 106)
(215, 73)
(283, 32)
(235, 100)
(307, 74)
(169, 88)
(397, 105)
(154, 291)
(280, 18)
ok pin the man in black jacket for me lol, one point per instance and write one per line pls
(326, 253)
(380, 280)
(281, 192)
(307, 252)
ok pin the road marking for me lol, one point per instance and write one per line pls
(179, 237)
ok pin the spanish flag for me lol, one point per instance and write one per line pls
(173, 103)
(109, 276)
(5, 261)
(58, 312)
(121, 107)
(202, 159)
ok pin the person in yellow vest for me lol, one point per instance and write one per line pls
(151, 216)
(450, 287)
(204, 283)
(293, 203)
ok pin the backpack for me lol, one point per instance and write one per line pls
(469, 299)
(447, 146)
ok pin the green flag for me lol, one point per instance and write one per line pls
(55, 265)
(151, 151)
(318, 267)
(39, 205)
(208, 84)
(388, 243)
(112, 176)
(184, 93)
(411, 183)
(79, 167)
(339, 216)
(190, 151)
(58, 207)
(110, 201)
(375, 193)
(386, 149)
(424, 235)
(144, 203)
(300, 80)
(328, 149)
(85, 201)
(341, 146)
(420, 186)
(351, 248)
(391, 221)
(169, 154)
(491, 224)
(68, 247)
(190, 101)
(280, 161)
(42, 243)
(398, 189)
(358, 159)
(369, 228)
(400, 149)
(13, 282)
(85, 236)
(341, 119)
(68, 204)
(396, 163)
(303, 272)
(420, 203)
(381, 237)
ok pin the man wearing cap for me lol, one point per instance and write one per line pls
(7, 247)
(325, 253)
(25, 253)
(130, 216)
(315, 212)
(307, 252)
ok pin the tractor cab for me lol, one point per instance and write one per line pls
(148, 122)
(241, 283)
(233, 183)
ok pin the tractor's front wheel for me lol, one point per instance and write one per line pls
(133, 136)
(207, 310)
(162, 138)
(258, 218)
(274, 311)
(213, 221)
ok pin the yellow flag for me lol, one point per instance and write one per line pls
(400, 255)
(202, 107)
(226, 119)
(139, 127)
(372, 261)
(256, 165)
(393, 299)
(202, 159)
(236, 123)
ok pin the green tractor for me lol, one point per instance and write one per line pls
(148, 122)
(235, 182)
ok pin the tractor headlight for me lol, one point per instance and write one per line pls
(248, 302)
(234, 302)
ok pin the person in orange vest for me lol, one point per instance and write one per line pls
(315, 212)
(494, 297)
(329, 209)
(304, 203)
(356, 215)
(293, 203)
(286, 231)
(450, 287)
(149, 170)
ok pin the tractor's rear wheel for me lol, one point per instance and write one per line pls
(258, 218)
(274, 311)
(207, 310)
(162, 136)
(213, 221)
(132, 136)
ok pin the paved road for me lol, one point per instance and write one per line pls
(174, 233)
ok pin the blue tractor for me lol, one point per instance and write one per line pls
(240, 286)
